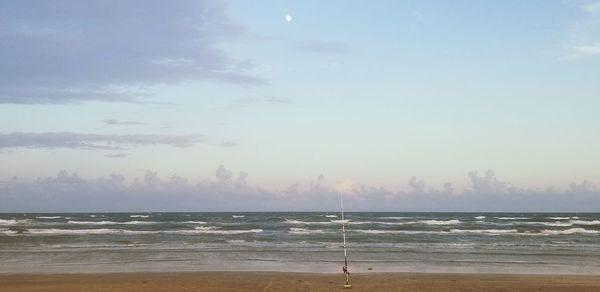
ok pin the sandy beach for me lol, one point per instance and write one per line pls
(271, 281)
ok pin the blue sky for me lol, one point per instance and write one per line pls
(373, 92)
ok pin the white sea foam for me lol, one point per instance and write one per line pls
(206, 228)
(395, 218)
(228, 232)
(440, 222)
(92, 222)
(48, 217)
(298, 222)
(479, 217)
(238, 216)
(391, 223)
(229, 223)
(8, 222)
(452, 231)
(376, 231)
(139, 222)
(399, 223)
(340, 221)
(569, 231)
(139, 216)
(484, 231)
(559, 218)
(54, 231)
(13, 221)
(346, 221)
(512, 218)
(111, 222)
(305, 231)
(193, 222)
(379, 222)
(95, 246)
(557, 223)
(371, 231)
(331, 216)
(584, 222)
(6, 231)
(289, 221)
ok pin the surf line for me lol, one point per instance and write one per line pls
(345, 268)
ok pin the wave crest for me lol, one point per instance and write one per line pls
(440, 222)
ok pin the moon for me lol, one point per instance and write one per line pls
(288, 18)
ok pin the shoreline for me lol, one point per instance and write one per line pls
(286, 281)
(327, 268)
(296, 272)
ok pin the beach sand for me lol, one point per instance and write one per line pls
(281, 282)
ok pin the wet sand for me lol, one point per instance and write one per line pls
(282, 282)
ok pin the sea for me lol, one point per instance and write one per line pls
(531, 243)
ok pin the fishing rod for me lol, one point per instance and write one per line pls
(345, 268)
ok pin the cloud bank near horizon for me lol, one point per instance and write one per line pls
(69, 192)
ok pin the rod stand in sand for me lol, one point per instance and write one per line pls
(345, 268)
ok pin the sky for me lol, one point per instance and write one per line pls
(267, 105)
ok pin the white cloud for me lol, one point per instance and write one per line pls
(72, 140)
(587, 50)
(152, 192)
(487, 184)
(591, 7)
(345, 187)
(416, 185)
(223, 174)
(75, 51)
(583, 187)
(584, 34)
(117, 155)
(119, 122)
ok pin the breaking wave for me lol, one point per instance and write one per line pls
(440, 222)
(584, 222)
(557, 223)
(139, 216)
(306, 231)
(298, 222)
(225, 232)
(14, 221)
(569, 231)
(111, 222)
(484, 231)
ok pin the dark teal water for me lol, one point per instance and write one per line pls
(419, 242)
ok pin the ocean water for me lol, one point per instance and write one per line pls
(541, 243)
